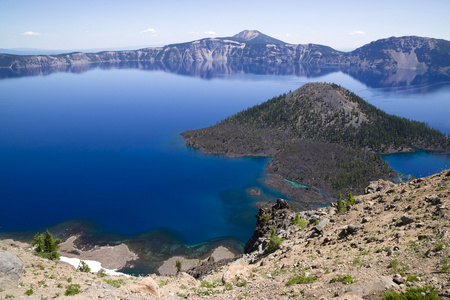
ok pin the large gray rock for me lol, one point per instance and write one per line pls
(374, 285)
(319, 227)
(146, 286)
(377, 186)
(11, 268)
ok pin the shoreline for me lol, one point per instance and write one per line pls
(168, 267)
(110, 257)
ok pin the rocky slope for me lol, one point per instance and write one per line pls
(251, 46)
(395, 237)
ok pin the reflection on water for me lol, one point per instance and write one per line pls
(373, 78)
(82, 146)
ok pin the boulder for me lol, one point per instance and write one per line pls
(11, 268)
(374, 285)
(237, 270)
(146, 286)
(405, 220)
(433, 199)
(319, 227)
(187, 279)
(377, 186)
(398, 279)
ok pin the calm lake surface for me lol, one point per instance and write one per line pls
(103, 145)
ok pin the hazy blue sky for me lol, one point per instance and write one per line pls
(87, 24)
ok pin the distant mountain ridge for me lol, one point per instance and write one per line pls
(255, 37)
(411, 52)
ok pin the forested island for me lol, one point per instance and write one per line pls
(324, 140)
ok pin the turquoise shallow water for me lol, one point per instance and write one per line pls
(104, 146)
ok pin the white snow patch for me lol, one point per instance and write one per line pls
(95, 266)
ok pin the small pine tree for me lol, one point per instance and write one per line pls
(350, 200)
(340, 205)
(46, 247)
(178, 265)
(274, 242)
(84, 267)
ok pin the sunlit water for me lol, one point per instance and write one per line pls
(104, 146)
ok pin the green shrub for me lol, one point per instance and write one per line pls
(440, 246)
(29, 292)
(393, 263)
(101, 273)
(302, 224)
(264, 218)
(411, 278)
(274, 242)
(303, 278)
(241, 283)
(445, 265)
(163, 283)
(72, 289)
(421, 293)
(114, 282)
(347, 279)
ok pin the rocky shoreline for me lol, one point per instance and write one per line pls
(394, 238)
(111, 257)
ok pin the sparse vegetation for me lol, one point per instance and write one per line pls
(302, 224)
(424, 293)
(72, 289)
(29, 292)
(101, 273)
(241, 282)
(114, 282)
(163, 283)
(346, 279)
(302, 278)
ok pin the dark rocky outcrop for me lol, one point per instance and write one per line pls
(276, 217)
(207, 267)
(11, 268)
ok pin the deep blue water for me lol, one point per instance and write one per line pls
(104, 145)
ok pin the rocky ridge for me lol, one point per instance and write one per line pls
(395, 237)
(416, 53)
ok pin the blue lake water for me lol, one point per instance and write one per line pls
(104, 145)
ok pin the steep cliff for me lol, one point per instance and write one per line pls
(416, 53)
